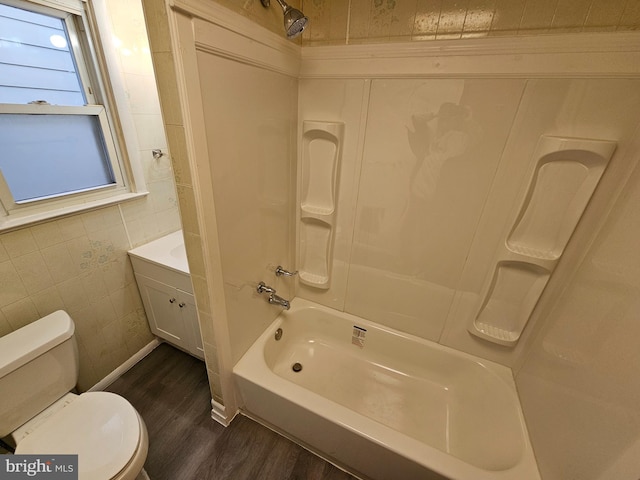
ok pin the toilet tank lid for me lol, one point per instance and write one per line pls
(23, 345)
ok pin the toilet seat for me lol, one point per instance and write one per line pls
(101, 427)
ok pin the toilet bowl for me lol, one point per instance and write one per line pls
(102, 428)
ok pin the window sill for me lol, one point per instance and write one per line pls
(14, 222)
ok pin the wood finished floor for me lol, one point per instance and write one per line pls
(170, 391)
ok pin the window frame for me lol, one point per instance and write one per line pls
(86, 38)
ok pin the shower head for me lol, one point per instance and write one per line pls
(294, 20)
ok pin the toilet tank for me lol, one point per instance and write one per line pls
(38, 365)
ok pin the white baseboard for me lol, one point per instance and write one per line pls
(118, 372)
(219, 414)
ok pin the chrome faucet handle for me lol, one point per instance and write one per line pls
(281, 271)
(262, 288)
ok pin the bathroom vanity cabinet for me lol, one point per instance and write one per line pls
(163, 278)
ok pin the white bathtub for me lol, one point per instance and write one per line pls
(387, 405)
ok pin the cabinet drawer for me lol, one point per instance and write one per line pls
(162, 274)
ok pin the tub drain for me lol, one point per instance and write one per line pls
(296, 367)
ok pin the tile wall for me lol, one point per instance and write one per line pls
(165, 65)
(339, 22)
(270, 18)
(375, 21)
(79, 263)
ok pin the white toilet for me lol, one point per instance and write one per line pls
(38, 369)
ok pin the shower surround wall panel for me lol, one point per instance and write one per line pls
(567, 171)
(253, 170)
(578, 108)
(430, 152)
(231, 87)
(442, 168)
(342, 101)
(579, 384)
(395, 156)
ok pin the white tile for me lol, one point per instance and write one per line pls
(72, 294)
(139, 60)
(167, 87)
(177, 139)
(81, 252)
(71, 227)
(5, 326)
(47, 301)
(33, 271)
(142, 93)
(138, 333)
(47, 234)
(150, 131)
(59, 263)
(19, 242)
(94, 286)
(211, 356)
(156, 169)
(87, 376)
(123, 302)
(101, 219)
(137, 209)
(4, 256)
(85, 321)
(117, 274)
(168, 221)
(163, 195)
(20, 313)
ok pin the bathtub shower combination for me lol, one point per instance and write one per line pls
(428, 187)
(386, 404)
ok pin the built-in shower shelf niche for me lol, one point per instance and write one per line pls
(566, 173)
(514, 292)
(320, 165)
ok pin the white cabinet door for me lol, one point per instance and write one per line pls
(161, 302)
(189, 313)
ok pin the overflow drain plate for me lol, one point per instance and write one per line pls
(296, 367)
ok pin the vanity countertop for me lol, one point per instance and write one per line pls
(167, 251)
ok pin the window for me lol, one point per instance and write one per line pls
(58, 142)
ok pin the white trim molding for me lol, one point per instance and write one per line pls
(576, 55)
(126, 366)
(221, 32)
(203, 27)
(219, 414)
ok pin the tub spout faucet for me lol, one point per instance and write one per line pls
(278, 300)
